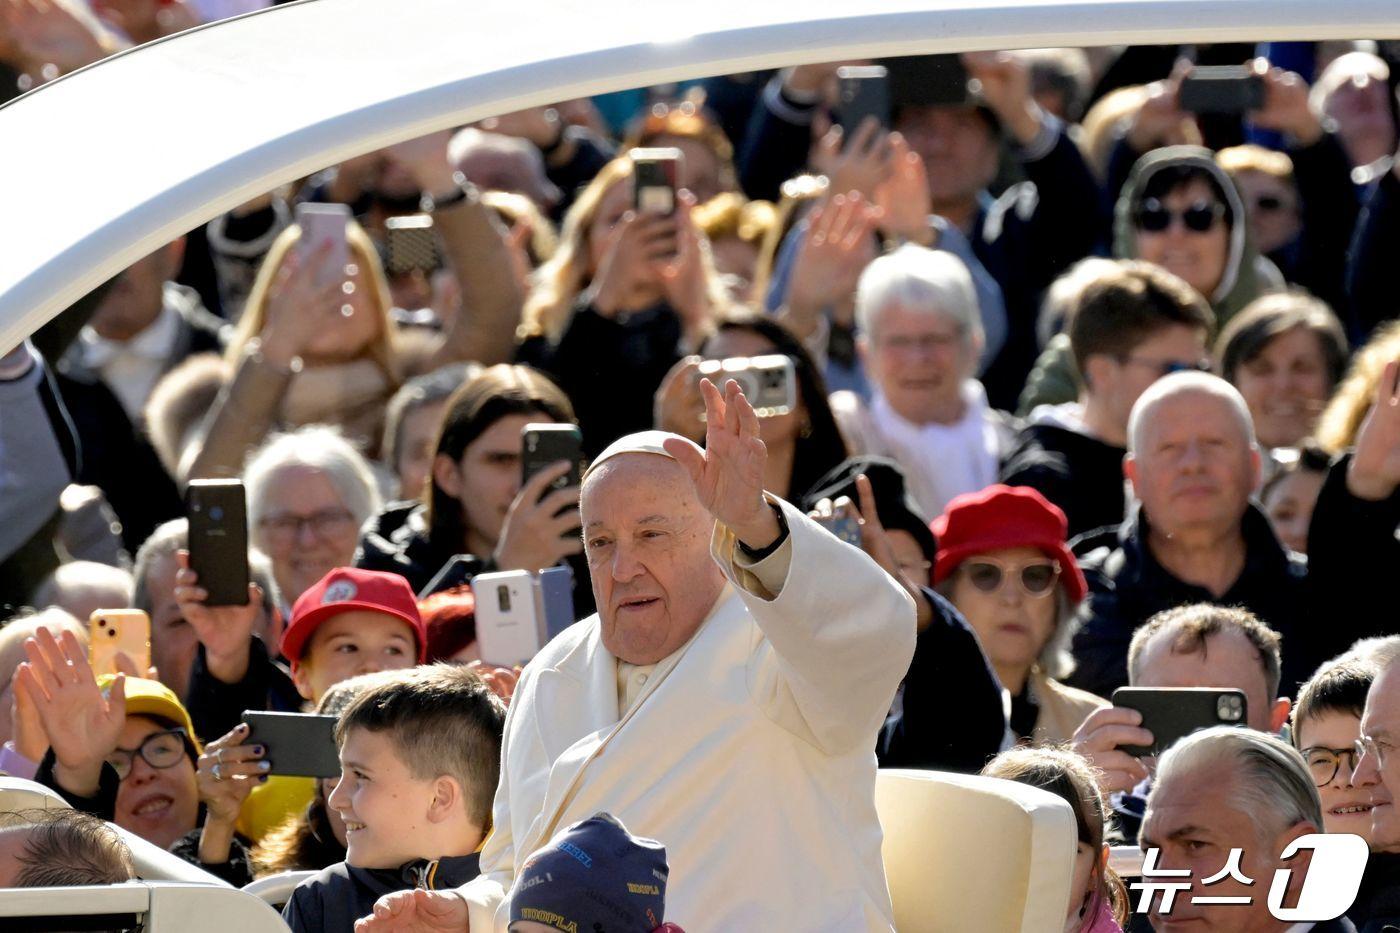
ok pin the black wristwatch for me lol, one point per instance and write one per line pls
(764, 553)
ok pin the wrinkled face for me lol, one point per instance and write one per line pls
(358, 324)
(417, 434)
(919, 360)
(1286, 387)
(1290, 506)
(1194, 467)
(489, 473)
(957, 146)
(647, 540)
(134, 301)
(1120, 383)
(1381, 722)
(1229, 661)
(305, 528)
(1012, 626)
(1197, 257)
(1361, 111)
(173, 640)
(1195, 820)
(158, 804)
(1272, 207)
(383, 806)
(730, 342)
(356, 642)
(1327, 742)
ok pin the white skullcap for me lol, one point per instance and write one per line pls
(643, 442)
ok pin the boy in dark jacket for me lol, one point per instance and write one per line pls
(420, 758)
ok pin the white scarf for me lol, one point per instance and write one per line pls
(942, 460)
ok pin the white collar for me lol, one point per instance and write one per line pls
(974, 398)
(153, 344)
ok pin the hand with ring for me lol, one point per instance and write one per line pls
(227, 772)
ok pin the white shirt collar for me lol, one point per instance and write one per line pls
(153, 344)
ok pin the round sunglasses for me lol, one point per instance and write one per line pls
(988, 575)
(1155, 217)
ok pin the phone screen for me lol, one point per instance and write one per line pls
(322, 223)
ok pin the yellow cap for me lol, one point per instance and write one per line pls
(152, 698)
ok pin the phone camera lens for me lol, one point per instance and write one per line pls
(111, 633)
(217, 513)
(503, 598)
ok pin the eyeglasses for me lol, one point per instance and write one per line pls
(1324, 762)
(159, 750)
(1155, 217)
(326, 523)
(1373, 747)
(988, 575)
(1167, 367)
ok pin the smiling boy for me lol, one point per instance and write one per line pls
(419, 759)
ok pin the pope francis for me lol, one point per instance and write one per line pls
(725, 699)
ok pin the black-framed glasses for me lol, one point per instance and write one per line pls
(989, 575)
(159, 750)
(1167, 367)
(1155, 217)
(324, 523)
(1324, 762)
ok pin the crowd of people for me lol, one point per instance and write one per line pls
(1108, 389)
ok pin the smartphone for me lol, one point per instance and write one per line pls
(508, 624)
(455, 572)
(411, 245)
(113, 631)
(544, 444)
(1222, 89)
(556, 596)
(655, 174)
(319, 223)
(929, 80)
(844, 525)
(218, 539)
(865, 92)
(297, 744)
(768, 382)
(1172, 713)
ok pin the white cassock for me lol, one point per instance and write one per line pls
(749, 752)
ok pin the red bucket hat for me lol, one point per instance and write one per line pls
(1000, 517)
(346, 589)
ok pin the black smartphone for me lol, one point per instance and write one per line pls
(543, 444)
(654, 179)
(1172, 713)
(928, 80)
(218, 540)
(455, 572)
(297, 744)
(865, 92)
(411, 245)
(1222, 89)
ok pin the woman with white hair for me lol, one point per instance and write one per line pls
(308, 494)
(920, 338)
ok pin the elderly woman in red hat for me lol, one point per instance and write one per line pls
(1004, 563)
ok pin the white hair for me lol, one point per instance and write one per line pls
(320, 448)
(1382, 651)
(1271, 783)
(1186, 383)
(1346, 68)
(919, 279)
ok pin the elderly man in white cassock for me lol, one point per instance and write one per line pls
(725, 700)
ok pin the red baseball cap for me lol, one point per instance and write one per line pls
(346, 589)
(1001, 517)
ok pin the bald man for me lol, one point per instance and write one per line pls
(1195, 537)
(724, 701)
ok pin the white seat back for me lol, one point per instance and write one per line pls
(970, 854)
(156, 907)
(277, 889)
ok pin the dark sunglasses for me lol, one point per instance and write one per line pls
(988, 575)
(1155, 217)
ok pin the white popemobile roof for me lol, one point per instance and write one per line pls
(106, 164)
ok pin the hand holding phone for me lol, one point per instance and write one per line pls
(655, 179)
(864, 94)
(218, 539)
(1172, 713)
(542, 527)
(1225, 89)
(509, 629)
(323, 226)
(113, 632)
